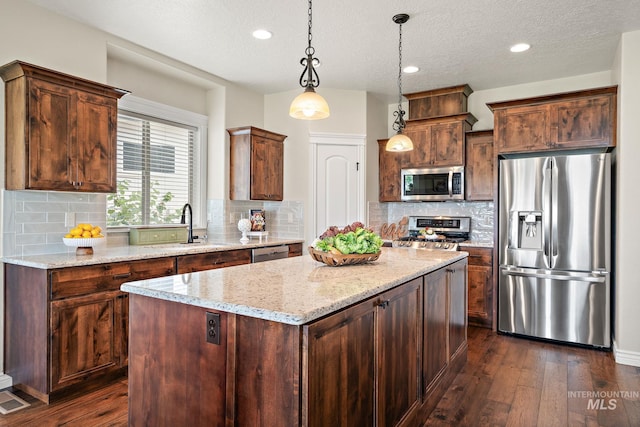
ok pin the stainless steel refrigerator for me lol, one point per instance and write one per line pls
(555, 248)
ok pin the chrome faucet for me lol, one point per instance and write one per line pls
(190, 235)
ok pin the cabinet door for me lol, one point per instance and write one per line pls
(447, 141)
(582, 123)
(339, 356)
(121, 329)
(83, 341)
(457, 278)
(52, 137)
(480, 282)
(389, 165)
(266, 169)
(422, 153)
(95, 163)
(522, 128)
(399, 337)
(479, 166)
(434, 359)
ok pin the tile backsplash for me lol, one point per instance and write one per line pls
(34, 221)
(482, 214)
(283, 219)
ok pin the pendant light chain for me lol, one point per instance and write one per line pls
(310, 50)
(400, 70)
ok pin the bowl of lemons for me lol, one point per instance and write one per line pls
(84, 237)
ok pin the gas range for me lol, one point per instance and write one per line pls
(449, 231)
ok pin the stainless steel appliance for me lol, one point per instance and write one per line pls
(269, 253)
(432, 184)
(448, 232)
(555, 248)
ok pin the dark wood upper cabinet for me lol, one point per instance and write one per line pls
(479, 165)
(256, 164)
(438, 141)
(60, 131)
(439, 102)
(389, 165)
(582, 119)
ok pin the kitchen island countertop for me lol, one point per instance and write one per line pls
(294, 290)
(103, 253)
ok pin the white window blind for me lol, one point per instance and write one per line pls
(155, 171)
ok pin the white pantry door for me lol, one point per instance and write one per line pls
(338, 181)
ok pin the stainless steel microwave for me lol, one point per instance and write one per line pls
(433, 184)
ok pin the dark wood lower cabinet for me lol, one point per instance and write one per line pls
(76, 321)
(360, 366)
(399, 339)
(480, 282)
(435, 353)
(339, 356)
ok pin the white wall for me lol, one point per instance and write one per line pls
(627, 290)
(377, 118)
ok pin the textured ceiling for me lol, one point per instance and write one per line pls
(452, 41)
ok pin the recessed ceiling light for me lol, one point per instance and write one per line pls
(410, 69)
(520, 47)
(262, 34)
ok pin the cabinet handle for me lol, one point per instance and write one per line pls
(384, 304)
(121, 276)
(451, 270)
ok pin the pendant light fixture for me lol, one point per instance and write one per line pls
(309, 105)
(400, 141)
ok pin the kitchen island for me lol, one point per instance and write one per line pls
(295, 342)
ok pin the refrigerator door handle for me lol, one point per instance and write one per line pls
(546, 210)
(523, 272)
(554, 213)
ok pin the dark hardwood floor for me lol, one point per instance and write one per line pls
(506, 382)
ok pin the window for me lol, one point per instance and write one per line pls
(156, 171)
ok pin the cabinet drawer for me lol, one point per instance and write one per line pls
(211, 260)
(295, 249)
(479, 256)
(77, 281)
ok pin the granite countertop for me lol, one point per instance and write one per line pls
(295, 290)
(103, 253)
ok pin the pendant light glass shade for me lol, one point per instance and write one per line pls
(399, 142)
(309, 106)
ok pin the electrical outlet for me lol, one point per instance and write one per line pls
(70, 219)
(213, 328)
(230, 217)
(290, 218)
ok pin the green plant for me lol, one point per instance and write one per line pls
(125, 206)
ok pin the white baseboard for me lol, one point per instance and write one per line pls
(5, 381)
(624, 357)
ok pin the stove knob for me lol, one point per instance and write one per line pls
(438, 245)
(445, 245)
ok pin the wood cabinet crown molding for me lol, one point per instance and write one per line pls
(543, 99)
